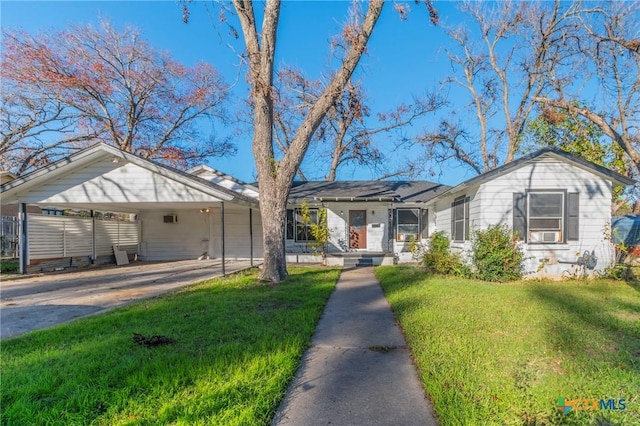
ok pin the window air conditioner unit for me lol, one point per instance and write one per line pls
(172, 218)
(545, 237)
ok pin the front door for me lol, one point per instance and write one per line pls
(358, 229)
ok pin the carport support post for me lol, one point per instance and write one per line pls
(251, 236)
(93, 237)
(23, 240)
(222, 234)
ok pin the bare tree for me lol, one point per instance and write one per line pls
(502, 62)
(611, 47)
(347, 133)
(275, 176)
(81, 85)
(33, 130)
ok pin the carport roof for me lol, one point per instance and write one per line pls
(10, 190)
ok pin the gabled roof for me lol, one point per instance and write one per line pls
(378, 190)
(100, 150)
(559, 154)
(202, 168)
(227, 181)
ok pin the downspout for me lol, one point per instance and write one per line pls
(222, 234)
(23, 240)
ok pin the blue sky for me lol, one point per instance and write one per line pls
(405, 58)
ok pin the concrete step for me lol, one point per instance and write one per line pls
(351, 262)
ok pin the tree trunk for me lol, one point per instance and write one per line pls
(273, 211)
(274, 176)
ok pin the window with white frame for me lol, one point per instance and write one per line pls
(407, 224)
(546, 216)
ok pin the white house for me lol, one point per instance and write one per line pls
(559, 204)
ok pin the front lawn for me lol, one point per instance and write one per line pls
(236, 345)
(504, 353)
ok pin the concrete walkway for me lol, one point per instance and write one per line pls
(358, 370)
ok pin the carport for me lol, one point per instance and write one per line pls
(175, 215)
(34, 302)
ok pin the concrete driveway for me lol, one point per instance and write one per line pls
(36, 302)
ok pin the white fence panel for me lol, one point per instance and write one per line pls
(122, 234)
(77, 237)
(53, 237)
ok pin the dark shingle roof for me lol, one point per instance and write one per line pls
(397, 191)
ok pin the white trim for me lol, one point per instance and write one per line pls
(11, 190)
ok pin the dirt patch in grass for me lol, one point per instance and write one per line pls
(628, 316)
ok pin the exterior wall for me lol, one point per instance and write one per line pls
(198, 234)
(337, 221)
(237, 233)
(441, 216)
(109, 182)
(188, 238)
(594, 221)
(492, 203)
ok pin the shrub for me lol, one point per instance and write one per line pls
(496, 254)
(437, 258)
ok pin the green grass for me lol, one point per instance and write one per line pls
(8, 266)
(237, 346)
(504, 353)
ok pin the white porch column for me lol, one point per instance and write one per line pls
(222, 234)
(22, 239)
(251, 236)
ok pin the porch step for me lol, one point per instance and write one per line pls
(360, 261)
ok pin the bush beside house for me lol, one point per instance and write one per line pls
(496, 256)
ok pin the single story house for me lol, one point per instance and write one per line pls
(559, 205)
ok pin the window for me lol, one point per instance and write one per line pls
(290, 226)
(407, 224)
(546, 217)
(460, 219)
(303, 230)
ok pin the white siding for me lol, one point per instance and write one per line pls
(441, 215)
(550, 173)
(122, 234)
(52, 237)
(108, 182)
(196, 233)
(237, 232)
(337, 222)
(188, 238)
(47, 236)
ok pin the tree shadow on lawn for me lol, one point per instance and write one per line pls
(590, 326)
(237, 344)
